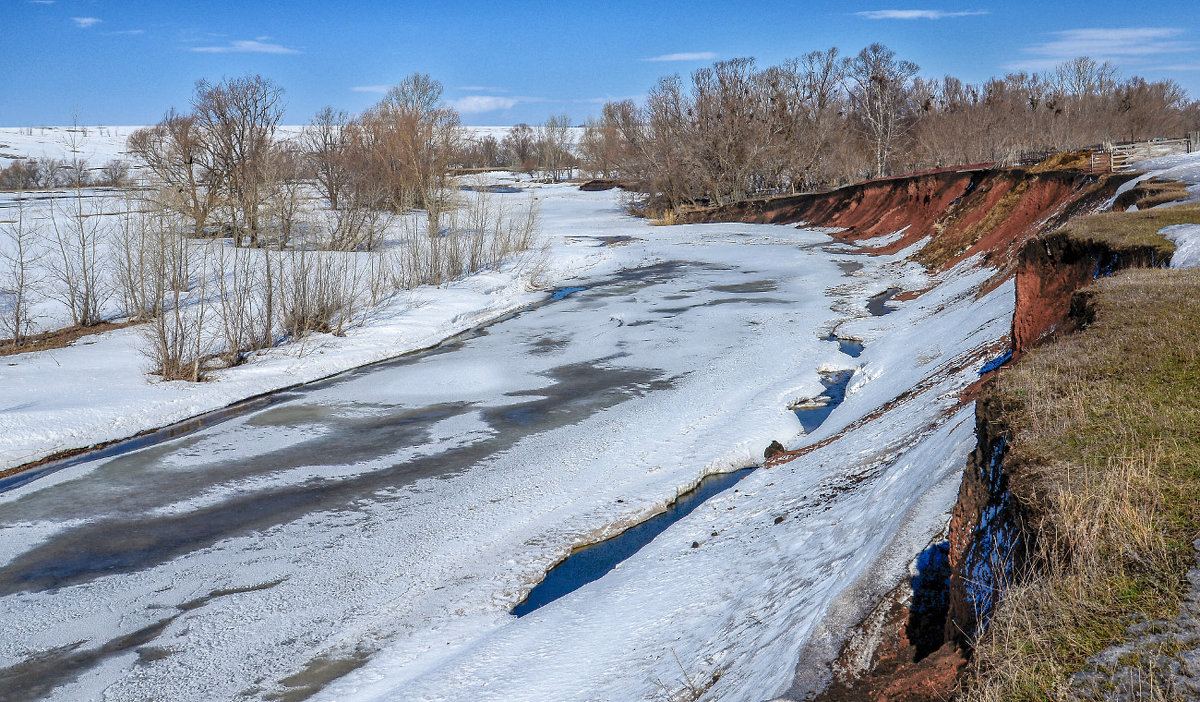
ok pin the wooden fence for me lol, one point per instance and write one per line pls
(1119, 157)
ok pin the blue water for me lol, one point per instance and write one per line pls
(850, 347)
(835, 391)
(878, 304)
(996, 362)
(592, 562)
(564, 293)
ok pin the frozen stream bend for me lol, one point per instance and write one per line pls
(386, 521)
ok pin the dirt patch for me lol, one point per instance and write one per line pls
(600, 184)
(1070, 160)
(58, 338)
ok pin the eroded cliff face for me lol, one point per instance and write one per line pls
(1048, 272)
(963, 212)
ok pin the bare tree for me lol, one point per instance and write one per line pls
(180, 163)
(553, 146)
(237, 120)
(879, 96)
(520, 148)
(176, 341)
(326, 143)
(114, 173)
(411, 138)
(20, 175)
(138, 246)
(75, 264)
(20, 286)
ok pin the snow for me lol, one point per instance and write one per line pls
(101, 144)
(1186, 238)
(1186, 169)
(389, 518)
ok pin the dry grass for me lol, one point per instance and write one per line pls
(59, 338)
(951, 239)
(1105, 457)
(1133, 229)
(1152, 192)
(1071, 160)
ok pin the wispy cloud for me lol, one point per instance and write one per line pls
(918, 14)
(125, 32)
(686, 56)
(476, 104)
(85, 22)
(482, 89)
(246, 47)
(1127, 44)
(40, 2)
(371, 88)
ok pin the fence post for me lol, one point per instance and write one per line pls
(1193, 144)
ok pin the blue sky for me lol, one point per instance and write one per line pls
(521, 60)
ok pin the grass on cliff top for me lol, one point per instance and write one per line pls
(1133, 229)
(1105, 453)
(1149, 193)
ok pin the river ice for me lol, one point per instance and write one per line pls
(365, 538)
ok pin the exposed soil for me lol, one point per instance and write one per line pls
(58, 338)
(965, 211)
(881, 661)
(599, 184)
(1051, 269)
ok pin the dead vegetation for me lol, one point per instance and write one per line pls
(1104, 462)
(1128, 230)
(1150, 193)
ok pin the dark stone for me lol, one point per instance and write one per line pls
(773, 450)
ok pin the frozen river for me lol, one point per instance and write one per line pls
(368, 535)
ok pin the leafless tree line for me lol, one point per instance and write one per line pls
(236, 240)
(46, 172)
(734, 130)
(547, 150)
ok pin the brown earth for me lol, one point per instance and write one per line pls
(58, 338)
(992, 212)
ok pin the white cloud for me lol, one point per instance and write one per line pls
(482, 89)
(245, 47)
(40, 2)
(1131, 41)
(686, 56)
(1127, 45)
(475, 104)
(917, 14)
(85, 22)
(125, 32)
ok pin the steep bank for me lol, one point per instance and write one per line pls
(1076, 514)
(1027, 224)
(964, 212)
(1084, 493)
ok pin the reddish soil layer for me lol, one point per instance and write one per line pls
(1007, 215)
(965, 211)
(1050, 271)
